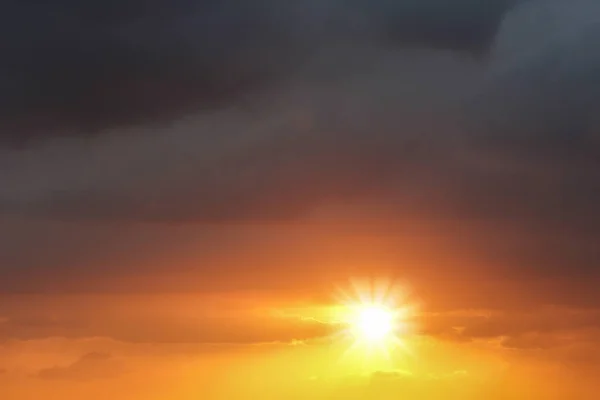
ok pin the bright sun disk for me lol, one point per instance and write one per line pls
(373, 323)
(378, 318)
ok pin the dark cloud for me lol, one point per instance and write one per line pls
(382, 110)
(541, 94)
(74, 68)
(318, 143)
(387, 123)
(537, 111)
(94, 365)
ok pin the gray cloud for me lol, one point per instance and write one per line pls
(72, 68)
(390, 121)
(543, 67)
(322, 140)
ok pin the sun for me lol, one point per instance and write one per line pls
(377, 316)
(373, 323)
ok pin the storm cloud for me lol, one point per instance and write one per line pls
(82, 68)
(222, 112)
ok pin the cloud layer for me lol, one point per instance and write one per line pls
(362, 118)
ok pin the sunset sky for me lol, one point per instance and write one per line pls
(198, 199)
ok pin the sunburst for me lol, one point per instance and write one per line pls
(377, 316)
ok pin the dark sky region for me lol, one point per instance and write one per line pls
(184, 146)
(226, 111)
(90, 66)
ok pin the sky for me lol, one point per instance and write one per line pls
(186, 188)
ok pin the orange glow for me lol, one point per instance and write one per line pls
(439, 336)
